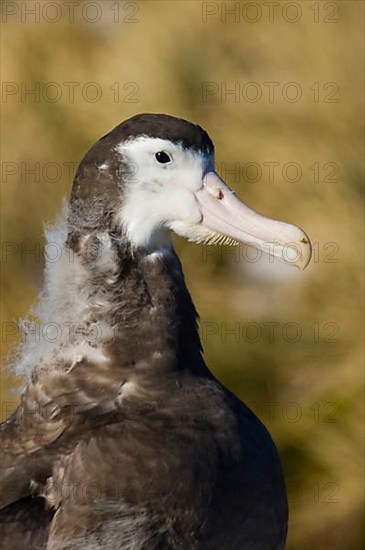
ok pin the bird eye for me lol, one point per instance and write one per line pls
(162, 157)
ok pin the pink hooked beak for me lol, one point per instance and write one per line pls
(223, 213)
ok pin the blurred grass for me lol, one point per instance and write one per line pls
(170, 53)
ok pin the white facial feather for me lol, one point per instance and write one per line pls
(160, 197)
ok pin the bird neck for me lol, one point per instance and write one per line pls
(138, 304)
(103, 299)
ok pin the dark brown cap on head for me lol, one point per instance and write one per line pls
(162, 126)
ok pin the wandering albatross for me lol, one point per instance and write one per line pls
(123, 438)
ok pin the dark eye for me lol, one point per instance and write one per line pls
(162, 157)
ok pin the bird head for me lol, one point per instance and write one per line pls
(155, 174)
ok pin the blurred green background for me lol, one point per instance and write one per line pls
(289, 343)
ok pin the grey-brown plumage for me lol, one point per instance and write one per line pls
(127, 441)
